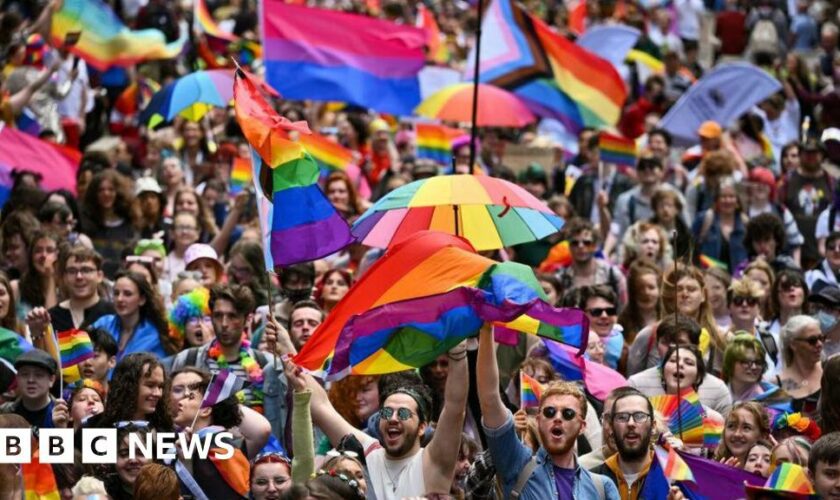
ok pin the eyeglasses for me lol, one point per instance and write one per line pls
(813, 340)
(403, 413)
(85, 271)
(623, 417)
(139, 424)
(751, 363)
(600, 311)
(582, 243)
(741, 300)
(567, 414)
(185, 229)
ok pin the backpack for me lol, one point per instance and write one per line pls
(764, 38)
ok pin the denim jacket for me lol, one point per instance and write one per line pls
(711, 244)
(510, 456)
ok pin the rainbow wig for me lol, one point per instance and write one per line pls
(194, 304)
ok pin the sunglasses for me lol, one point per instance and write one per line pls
(599, 311)
(139, 424)
(813, 340)
(750, 301)
(271, 456)
(582, 243)
(786, 287)
(403, 413)
(567, 414)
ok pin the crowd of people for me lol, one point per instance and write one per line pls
(711, 267)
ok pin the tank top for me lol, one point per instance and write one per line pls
(396, 479)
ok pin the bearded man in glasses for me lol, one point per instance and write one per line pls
(631, 424)
(553, 472)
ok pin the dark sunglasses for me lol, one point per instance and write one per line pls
(599, 311)
(750, 301)
(786, 287)
(582, 243)
(567, 414)
(403, 414)
(813, 340)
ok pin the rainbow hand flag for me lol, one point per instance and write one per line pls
(673, 466)
(330, 155)
(684, 414)
(559, 256)
(74, 347)
(12, 345)
(707, 262)
(241, 175)
(38, 479)
(530, 391)
(712, 432)
(434, 142)
(105, 41)
(617, 149)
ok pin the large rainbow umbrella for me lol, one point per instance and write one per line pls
(496, 107)
(491, 213)
(193, 95)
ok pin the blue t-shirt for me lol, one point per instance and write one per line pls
(564, 479)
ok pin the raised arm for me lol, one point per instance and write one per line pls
(442, 452)
(493, 410)
(255, 429)
(324, 415)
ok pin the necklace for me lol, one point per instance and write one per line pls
(391, 478)
(249, 365)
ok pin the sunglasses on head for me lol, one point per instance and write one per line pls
(403, 413)
(566, 414)
(581, 243)
(271, 456)
(741, 300)
(599, 311)
(139, 424)
(813, 340)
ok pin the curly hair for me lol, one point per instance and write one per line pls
(92, 212)
(31, 286)
(124, 388)
(194, 304)
(762, 227)
(153, 309)
(342, 395)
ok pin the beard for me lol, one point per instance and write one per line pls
(633, 452)
(403, 447)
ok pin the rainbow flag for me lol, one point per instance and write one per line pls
(707, 262)
(105, 41)
(329, 155)
(12, 345)
(425, 265)
(559, 256)
(136, 96)
(530, 391)
(788, 480)
(208, 25)
(673, 466)
(555, 77)
(436, 51)
(434, 142)
(38, 479)
(74, 347)
(240, 175)
(617, 149)
(304, 225)
(684, 414)
(712, 432)
(341, 57)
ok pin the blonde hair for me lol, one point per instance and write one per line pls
(704, 316)
(89, 485)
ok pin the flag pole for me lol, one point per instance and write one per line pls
(51, 333)
(476, 71)
(195, 418)
(677, 351)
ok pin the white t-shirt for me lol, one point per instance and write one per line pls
(688, 18)
(396, 479)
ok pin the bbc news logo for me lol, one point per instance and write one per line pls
(99, 446)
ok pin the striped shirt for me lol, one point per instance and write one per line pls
(251, 400)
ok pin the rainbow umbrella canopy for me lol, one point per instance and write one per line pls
(496, 107)
(489, 212)
(192, 96)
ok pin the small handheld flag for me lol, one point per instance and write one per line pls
(530, 391)
(240, 175)
(617, 149)
(74, 347)
(224, 385)
(673, 465)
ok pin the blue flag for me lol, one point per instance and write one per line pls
(610, 42)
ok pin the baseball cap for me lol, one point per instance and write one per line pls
(39, 358)
(147, 185)
(710, 130)
(827, 295)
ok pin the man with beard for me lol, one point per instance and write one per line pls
(231, 307)
(400, 467)
(631, 425)
(554, 471)
(595, 458)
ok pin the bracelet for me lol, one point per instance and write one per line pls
(457, 356)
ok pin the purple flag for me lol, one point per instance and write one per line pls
(716, 480)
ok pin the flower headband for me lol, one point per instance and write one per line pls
(351, 482)
(799, 423)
